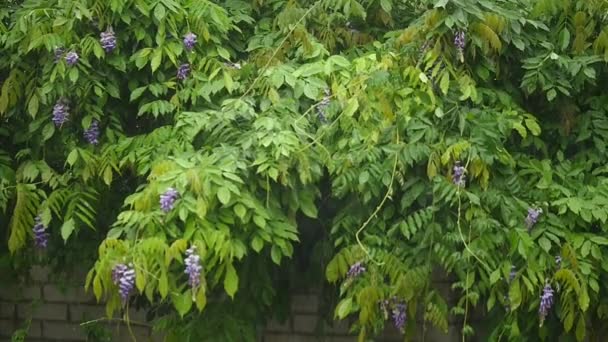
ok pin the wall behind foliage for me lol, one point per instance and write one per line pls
(56, 311)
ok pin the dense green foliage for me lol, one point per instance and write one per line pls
(330, 123)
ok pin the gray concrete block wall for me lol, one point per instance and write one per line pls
(57, 313)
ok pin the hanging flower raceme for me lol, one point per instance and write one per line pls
(546, 302)
(460, 40)
(60, 113)
(458, 177)
(189, 41)
(355, 270)
(183, 71)
(124, 277)
(41, 237)
(532, 218)
(193, 267)
(513, 273)
(322, 106)
(108, 40)
(397, 310)
(59, 51)
(71, 58)
(167, 199)
(399, 316)
(91, 134)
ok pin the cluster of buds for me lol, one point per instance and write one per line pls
(532, 217)
(458, 176)
(183, 71)
(460, 41)
(91, 134)
(236, 66)
(189, 41)
(108, 40)
(71, 58)
(355, 270)
(41, 237)
(322, 106)
(60, 113)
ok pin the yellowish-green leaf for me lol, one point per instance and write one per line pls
(231, 281)
(67, 229)
(157, 57)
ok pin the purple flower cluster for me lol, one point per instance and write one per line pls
(322, 106)
(124, 277)
(193, 267)
(91, 134)
(532, 218)
(71, 58)
(60, 113)
(59, 51)
(546, 302)
(183, 71)
(108, 40)
(399, 316)
(397, 311)
(167, 200)
(41, 237)
(460, 40)
(458, 177)
(355, 270)
(189, 41)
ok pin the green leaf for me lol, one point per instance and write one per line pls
(259, 221)
(33, 106)
(231, 281)
(544, 243)
(257, 244)
(520, 129)
(223, 194)
(240, 210)
(163, 285)
(441, 3)
(72, 157)
(351, 106)
(444, 84)
(583, 299)
(48, 131)
(533, 126)
(135, 94)
(159, 12)
(182, 302)
(494, 276)
(67, 229)
(580, 328)
(551, 94)
(275, 254)
(514, 295)
(564, 38)
(309, 209)
(343, 308)
(201, 298)
(157, 57)
(73, 75)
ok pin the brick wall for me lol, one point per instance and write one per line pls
(57, 313)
